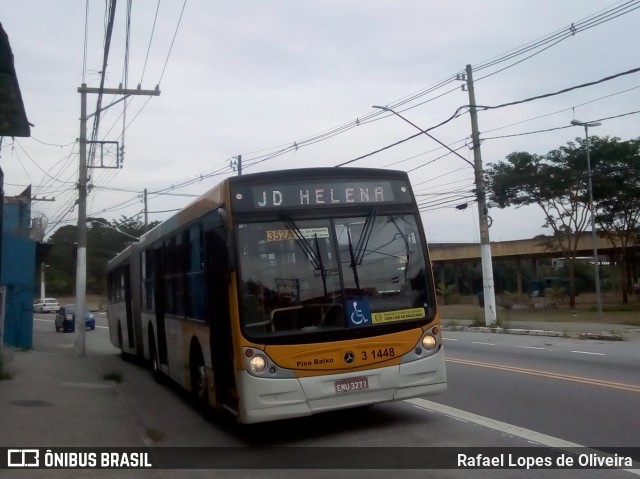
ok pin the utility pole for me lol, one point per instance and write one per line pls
(490, 316)
(236, 164)
(42, 290)
(146, 212)
(81, 258)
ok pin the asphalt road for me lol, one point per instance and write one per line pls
(586, 392)
(501, 394)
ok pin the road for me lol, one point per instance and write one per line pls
(504, 392)
(586, 392)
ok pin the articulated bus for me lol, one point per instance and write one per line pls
(284, 294)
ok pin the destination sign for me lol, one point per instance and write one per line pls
(307, 233)
(330, 193)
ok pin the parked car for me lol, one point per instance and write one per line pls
(66, 319)
(46, 305)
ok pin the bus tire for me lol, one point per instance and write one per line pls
(199, 383)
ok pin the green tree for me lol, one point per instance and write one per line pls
(553, 182)
(446, 291)
(557, 183)
(62, 261)
(616, 190)
(104, 240)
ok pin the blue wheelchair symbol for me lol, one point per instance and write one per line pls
(358, 312)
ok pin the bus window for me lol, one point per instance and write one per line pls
(307, 275)
(381, 260)
(284, 274)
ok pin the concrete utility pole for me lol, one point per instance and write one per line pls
(42, 286)
(594, 234)
(490, 316)
(81, 262)
(146, 212)
(236, 164)
(489, 296)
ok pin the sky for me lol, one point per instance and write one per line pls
(291, 83)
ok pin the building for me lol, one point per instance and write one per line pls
(16, 276)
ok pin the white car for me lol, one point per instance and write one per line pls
(46, 305)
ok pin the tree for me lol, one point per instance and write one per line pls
(61, 260)
(616, 191)
(446, 291)
(556, 185)
(104, 240)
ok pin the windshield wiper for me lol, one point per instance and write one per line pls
(314, 256)
(357, 254)
(406, 246)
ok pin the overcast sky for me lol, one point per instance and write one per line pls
(256, 77)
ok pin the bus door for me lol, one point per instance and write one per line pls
(160, 294)
(217, 287)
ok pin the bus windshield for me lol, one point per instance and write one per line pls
(306, 276)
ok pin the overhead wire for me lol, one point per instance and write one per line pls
(175, 34)
(249, 162)
(153, 29)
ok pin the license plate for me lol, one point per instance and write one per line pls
(351, 384)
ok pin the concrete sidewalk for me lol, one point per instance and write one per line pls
(55, 399)
(60, 400)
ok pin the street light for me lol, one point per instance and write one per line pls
(594, 236)
(485, 245)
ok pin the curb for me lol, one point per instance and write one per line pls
(536, 332)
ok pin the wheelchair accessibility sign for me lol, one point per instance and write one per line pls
(358, 312)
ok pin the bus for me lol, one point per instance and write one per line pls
(285, 293)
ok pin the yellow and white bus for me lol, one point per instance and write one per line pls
(286, 293)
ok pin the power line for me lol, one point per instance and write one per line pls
(565, 90)
(153, 29)
(172, 41)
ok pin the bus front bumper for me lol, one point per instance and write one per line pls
(267, 399)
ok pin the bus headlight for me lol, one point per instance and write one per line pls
(429, 342)
(257, 363)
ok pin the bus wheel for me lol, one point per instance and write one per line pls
(153, 356)
(199, 386)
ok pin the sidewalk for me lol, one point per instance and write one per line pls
(57, 399)
(568, 329)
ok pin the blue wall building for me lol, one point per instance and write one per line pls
(17, 272)
(17, 250)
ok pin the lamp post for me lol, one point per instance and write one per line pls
(490, 316)
(594, 236)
